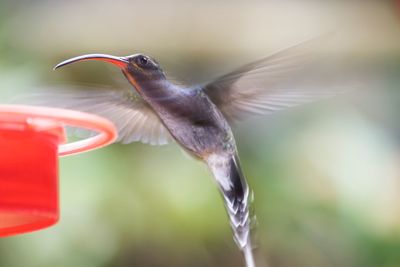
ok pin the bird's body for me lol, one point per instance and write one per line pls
(200, 128)
(191, 119)
(198, 118)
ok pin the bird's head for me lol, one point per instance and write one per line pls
(138, 69)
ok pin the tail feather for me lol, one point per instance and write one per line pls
(233, 186)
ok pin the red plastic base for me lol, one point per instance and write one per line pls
(31, 139)
(28, 180)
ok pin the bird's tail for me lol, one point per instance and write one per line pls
(234, 189)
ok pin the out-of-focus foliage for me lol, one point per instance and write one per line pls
(326, 176)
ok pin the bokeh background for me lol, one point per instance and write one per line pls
(326, 176)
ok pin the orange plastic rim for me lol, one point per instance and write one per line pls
(106, 130)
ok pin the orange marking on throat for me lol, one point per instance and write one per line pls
(131, 80)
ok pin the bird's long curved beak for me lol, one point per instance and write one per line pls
(120, 62)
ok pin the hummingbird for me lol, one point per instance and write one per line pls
(199, 118)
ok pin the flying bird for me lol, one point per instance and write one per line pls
(199, 118)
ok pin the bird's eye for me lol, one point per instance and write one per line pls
(143, 60)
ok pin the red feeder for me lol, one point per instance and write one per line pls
(31, 139)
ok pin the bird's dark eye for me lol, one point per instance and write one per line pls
(143, 60)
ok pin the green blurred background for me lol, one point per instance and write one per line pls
(326, 176)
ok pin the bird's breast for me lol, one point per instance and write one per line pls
(196, 123)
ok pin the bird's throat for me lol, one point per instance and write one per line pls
(155, 91)
(132, 81)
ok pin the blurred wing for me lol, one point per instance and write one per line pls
(133, 118)
(273, 83)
